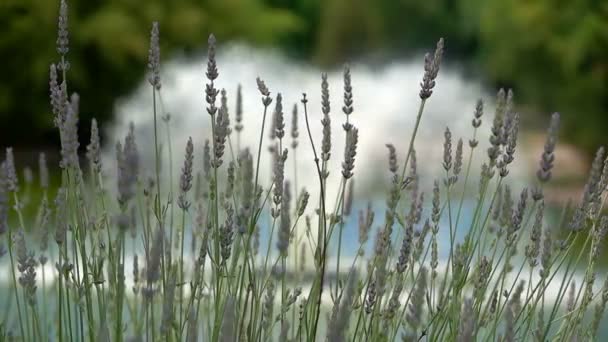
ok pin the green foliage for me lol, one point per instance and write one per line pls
(508, 42)
(554, 55)
(109, 48)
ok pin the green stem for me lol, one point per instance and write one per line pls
(323, 254)
(344, 180)
(10, 253)
(181, 275)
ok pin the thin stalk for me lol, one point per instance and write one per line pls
(323, 257)
(466, 179)
(181, 274)
(157, 206)
(252, 219)
(14, 279)
(257, 167)
(543, 285)
(295, 246)
(344, 180)
(170, 154)
(67, 300)
(562, 287)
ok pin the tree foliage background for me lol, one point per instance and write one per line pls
(553, 52)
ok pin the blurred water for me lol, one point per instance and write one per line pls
(385, 100)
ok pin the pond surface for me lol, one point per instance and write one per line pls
(385, 106)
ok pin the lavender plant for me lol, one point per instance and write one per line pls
(206, 277)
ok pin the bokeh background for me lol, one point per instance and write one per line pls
(553, 53)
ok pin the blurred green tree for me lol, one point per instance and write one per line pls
(555, 54)
(108, 50)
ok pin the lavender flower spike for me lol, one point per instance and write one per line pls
(266, 99)
(239, 110)
(94, 148)
(12, 182)
(63, 40)
(348, 92)
(548, 156)
(279, 122)
(212, 72)
(431, 69)
(350, 151)
(154, 57)
(69, 135)
(294, 126)
(185, 182)
(392, 158)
